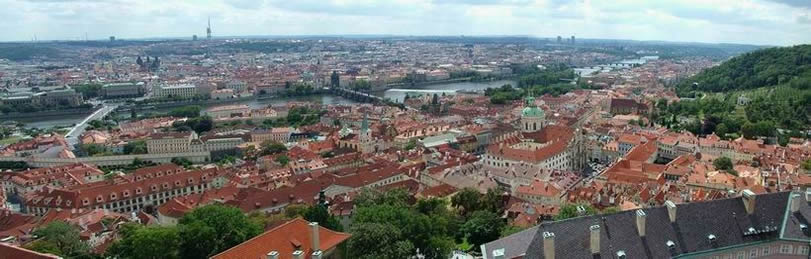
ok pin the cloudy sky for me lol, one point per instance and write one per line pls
(774, 22)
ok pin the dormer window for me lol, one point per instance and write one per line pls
(85, 201)
(205, 178)
(126, 193)
(621, 254)
(154, 187)
(138, 178)
(165, 185)
(99, 198)
(138, 190)
(113, 196)
(177, 183)
(191, 180)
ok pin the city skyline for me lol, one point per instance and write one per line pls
(772, 22)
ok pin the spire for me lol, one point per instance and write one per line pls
(364, 126)
(530, 100)
(208, 29)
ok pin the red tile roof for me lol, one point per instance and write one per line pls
(285, 239)
(555, 137)
(104, 192)
(8, 251)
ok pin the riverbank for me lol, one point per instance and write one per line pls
(163, 105)
(47, 114)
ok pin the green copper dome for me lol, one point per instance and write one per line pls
(530, 110)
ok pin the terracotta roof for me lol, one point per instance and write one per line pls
(7, 251)
(103, 192)
(285, 239)
(555, 137)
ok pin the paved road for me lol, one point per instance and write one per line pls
(73, 135)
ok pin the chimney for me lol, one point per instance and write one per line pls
(273, 255)
(548, 245)
(795, 202)
(316, 255)
(671, 211)
(498, 254)
(314, 232)
(749, 201)
(595, 239)
(640, 222)
(298, 254)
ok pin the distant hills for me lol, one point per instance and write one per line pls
(789, 66)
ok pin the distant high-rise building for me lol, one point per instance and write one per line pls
(572, 39)
(560, 39)
(112, 38)
(194, 37)
(208, 29)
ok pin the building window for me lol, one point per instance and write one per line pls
(765, 251)
(742, 255)
(753, 253)
(802, 250)
(785, 249)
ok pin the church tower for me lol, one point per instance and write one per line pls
(208, 29)
(365, 132)
(532, 118)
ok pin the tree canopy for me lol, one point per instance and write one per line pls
(765, 67)
(59, 238)
(201, 233)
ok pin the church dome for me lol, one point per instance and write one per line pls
(530, 110)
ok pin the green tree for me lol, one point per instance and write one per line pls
(467, 200)
(319, 213)
(722, 163)
(721, 130)
(201, 124)
(492, 201)
(270, 147)
(60, 238)
(211, 229)
(482, 227)
(283, 160)
(181, 161)
(376, 240)
(190, 111)
(147, 243)
(135, 147)
(93, 149)
(412, 143)
(371, 197)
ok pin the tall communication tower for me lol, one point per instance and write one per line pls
(208, 30)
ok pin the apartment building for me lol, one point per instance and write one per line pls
(32, 180)
(281, 135)
(180, 91)
(149, 186)
(170, 142)
(123, 90)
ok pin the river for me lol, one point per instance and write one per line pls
(397, 94)
(394, 94)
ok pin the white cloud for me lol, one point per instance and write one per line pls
(780, 22)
